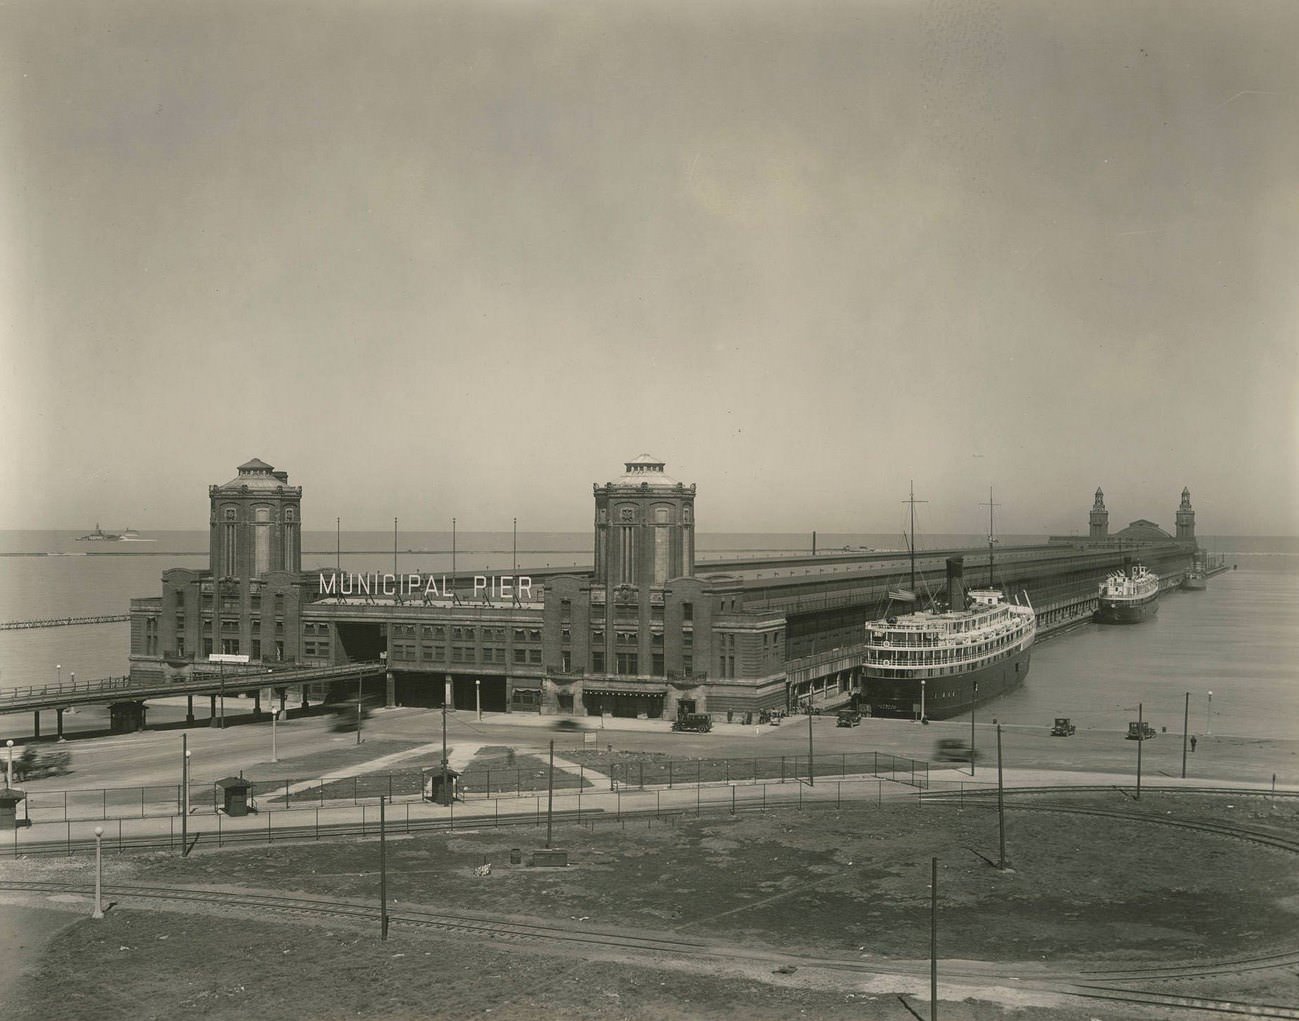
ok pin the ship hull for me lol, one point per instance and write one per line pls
(1126, 611)
(948, 695)
(1195, 583)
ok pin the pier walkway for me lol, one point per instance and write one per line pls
(106, 618)
(121, 689)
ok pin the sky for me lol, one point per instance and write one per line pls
(468, 257)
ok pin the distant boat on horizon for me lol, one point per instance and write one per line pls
(99, 535)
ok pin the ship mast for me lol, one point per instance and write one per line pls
(912, 543)
(992, 537)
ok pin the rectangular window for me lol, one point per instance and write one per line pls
(687, 611)
(658, 664)
(597, 661)
(565, 634)
(520, 655)
(257, 648)
(534, 656)
(566, 609)
(566, 661)
(627, 663)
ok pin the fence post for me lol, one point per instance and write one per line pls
(354, 802)
(669, 774)
(104, 792)
(782, 769)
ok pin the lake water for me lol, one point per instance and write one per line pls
(1238, 640)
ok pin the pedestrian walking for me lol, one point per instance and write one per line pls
(1193, 742)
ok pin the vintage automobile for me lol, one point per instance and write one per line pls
(37, 763)
(1140, 731)
(700, 723)
(1063, 728)
(848, 718)
(954, 749)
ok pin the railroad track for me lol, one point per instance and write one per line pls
(1112, 985)
(608, 940)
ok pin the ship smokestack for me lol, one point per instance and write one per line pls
(955, 584)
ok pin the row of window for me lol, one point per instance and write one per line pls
(409, 652)
(460, 633)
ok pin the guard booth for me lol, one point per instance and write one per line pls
(233, 795)
(126, 717)
(433, 785)
(9, 800)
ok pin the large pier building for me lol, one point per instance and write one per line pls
(647, 630)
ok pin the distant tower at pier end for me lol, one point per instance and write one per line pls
(1099, 519)
(644, 527)
(1186, 518)
(254, 522)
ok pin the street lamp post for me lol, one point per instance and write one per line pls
(922, 700)
(1208, 717)
(478, 698)
(973, 701)
(99, 873)
(59, 668)
(221, 724)
(275, 714)
(9, 765)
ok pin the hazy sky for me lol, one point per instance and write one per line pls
(466, 258)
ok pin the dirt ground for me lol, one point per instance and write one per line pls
(850, 884)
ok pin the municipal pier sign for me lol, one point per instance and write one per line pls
(416, 586)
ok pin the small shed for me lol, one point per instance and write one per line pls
(432, 785)
(234, 792)
(9, 800)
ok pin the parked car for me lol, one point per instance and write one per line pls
(848, 718)
(1063, 728)
(1140, 731)
(701, 723)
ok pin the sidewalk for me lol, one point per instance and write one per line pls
(598, 802)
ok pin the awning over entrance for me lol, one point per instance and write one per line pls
(647, 690)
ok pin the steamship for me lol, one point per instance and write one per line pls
(941, 662)
(1128, 597)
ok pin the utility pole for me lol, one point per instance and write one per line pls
(383, 873)
(184, 796)
(933, 939)
(550, 792)
(1001, 804)
(1141, 739)
(973, 702)
(446, 697)
(1186, 726)
(811, 771)
(358, 707)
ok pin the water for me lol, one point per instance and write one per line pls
(1238, 639)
